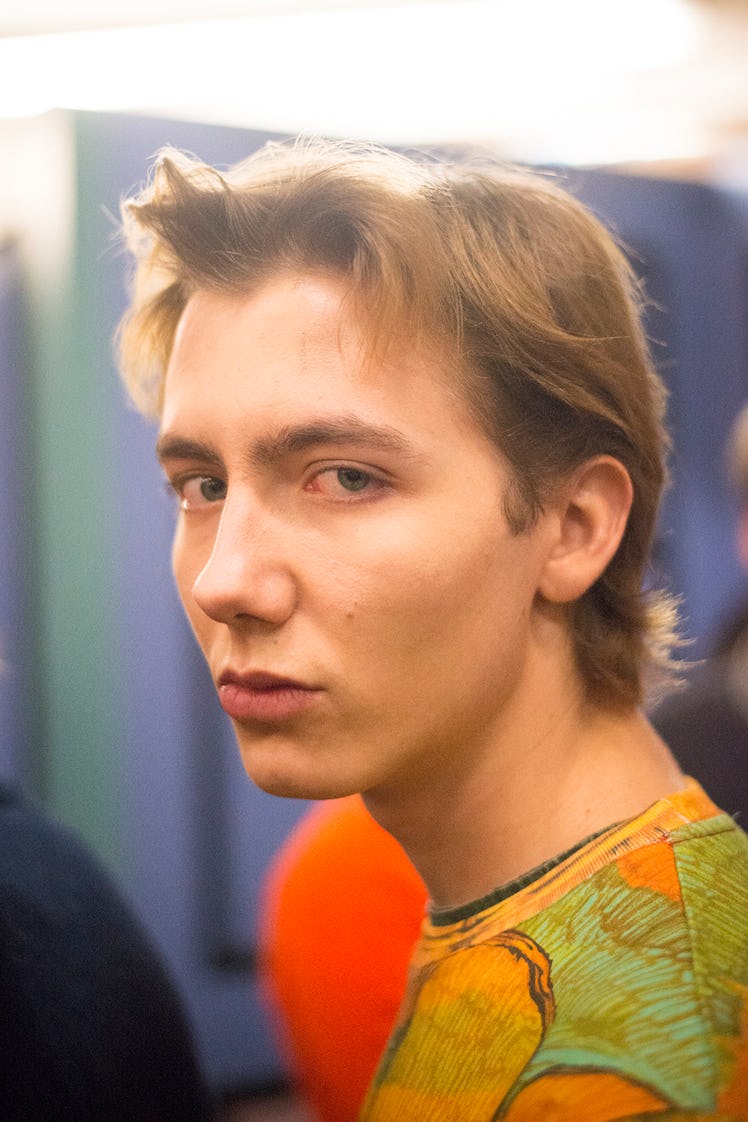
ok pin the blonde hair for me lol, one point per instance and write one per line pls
(501, 269)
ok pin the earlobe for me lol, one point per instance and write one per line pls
(592, 510)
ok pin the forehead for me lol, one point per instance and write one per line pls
(282, 311)
(297, 343)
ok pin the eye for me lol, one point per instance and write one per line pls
(352, 479)
(197, 492)
(345, 483)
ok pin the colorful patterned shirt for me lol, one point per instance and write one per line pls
(612, 985)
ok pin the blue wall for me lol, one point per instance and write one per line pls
(690, 243)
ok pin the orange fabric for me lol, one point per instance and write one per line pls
(569, 1097)
(333, 959)
(653, 867)
(733, 1097)
(594, 992)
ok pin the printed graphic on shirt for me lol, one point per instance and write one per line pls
(624, 995)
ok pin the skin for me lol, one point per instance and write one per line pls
(341, 525)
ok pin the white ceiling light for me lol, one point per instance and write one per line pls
(38, 17)
(541, 77)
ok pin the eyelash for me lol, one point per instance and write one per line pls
(372, 485)
(178, 486)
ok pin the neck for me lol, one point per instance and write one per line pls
(547, 782)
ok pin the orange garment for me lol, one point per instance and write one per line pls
(342, 910)
(611, 985)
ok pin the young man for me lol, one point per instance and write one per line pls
(416, 442)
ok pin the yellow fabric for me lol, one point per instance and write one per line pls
(615, 986)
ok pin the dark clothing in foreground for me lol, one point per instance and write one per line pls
(706, 723)
(90, 1027)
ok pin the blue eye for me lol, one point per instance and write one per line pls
(346, 483)
(200, 491)
(352, 479)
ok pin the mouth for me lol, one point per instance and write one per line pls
(264, 697)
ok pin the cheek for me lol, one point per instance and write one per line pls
(179, 565)
(187, 562)
(422, 598)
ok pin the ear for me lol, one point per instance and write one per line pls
(592, 508)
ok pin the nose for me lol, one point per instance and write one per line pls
(245, 576)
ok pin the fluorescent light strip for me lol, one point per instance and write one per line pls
(517, 71)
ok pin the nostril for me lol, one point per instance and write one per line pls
(249, 570)
(246, 590)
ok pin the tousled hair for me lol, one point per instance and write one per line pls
(500, 269)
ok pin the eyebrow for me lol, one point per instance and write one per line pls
(329, 430)
(170, 447)
(292, 439)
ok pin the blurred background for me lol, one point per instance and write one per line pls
(106, 714)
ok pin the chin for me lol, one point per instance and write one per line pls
(288, 782)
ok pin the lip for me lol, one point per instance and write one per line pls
(260, 696)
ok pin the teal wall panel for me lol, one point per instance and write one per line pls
(18, 718)
(74, 692)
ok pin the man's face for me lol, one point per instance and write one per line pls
(341, 549)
